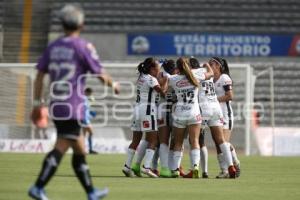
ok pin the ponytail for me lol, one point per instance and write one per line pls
(194, 63)
(183, 66)
(144, 67)
(225, 68)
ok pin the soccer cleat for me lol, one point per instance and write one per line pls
(97, 194)
(175, 173)
(155, 171)
(127, 171)
(196, 172)
(222, 175)
(204, 175)
(181, 172)
(93, 152)
(148, 172)
(232, 172)
(188, 175)
(37, 193)
(165, 172)
(136, 168)
(237, 166)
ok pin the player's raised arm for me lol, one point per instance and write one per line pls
(209, 72)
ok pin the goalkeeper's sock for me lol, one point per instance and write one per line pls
(49, 167)
(90, 141)
(82, 172)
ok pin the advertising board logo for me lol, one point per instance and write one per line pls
(140, 44)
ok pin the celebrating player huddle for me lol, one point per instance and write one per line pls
(176, 101)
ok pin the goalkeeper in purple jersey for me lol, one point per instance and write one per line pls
(67, 60)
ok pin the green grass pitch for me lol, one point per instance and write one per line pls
(262, 178)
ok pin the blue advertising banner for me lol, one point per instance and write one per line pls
(207, 45)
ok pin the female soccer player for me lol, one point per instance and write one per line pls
(223, 85)
(186, 115)
(211, 114)
(145, 115)
(168, 68)
(165, 119)
(67, 60)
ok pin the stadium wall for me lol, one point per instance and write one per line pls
(113, 47)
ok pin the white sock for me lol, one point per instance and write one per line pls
(148, 158)
(226, 153)
(164, 154)
(191, 160)
(222, 163)
(177, 159)
(171, 160)
(130, 155)
(234, 155)
(195, 153)
(155, 159)
(204, 159)
(141, 150)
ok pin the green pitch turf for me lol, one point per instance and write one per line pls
(262, 178)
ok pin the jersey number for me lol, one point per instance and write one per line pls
(138, 96)
(209, 88)
(188, 97)
(63, 72)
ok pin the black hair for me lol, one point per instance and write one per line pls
(88, 90)
(194, 63)
(169, 66)
(224, 65)
(144, 67)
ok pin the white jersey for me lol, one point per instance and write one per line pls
(187, 104)
(146, 95)
(168, 95)
(165, 104)
(207, 93)
(223, 84)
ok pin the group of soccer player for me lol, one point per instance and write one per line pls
(176, 100)
(171, 104)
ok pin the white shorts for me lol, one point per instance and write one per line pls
(164, 114)
(143, 122)
(146, 123)
(211, 114)
(164, 119)
(183, 122)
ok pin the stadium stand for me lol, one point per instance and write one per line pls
(287, 93)
(211, 16)
(1, 29)
(13, 26)
(230, 16)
